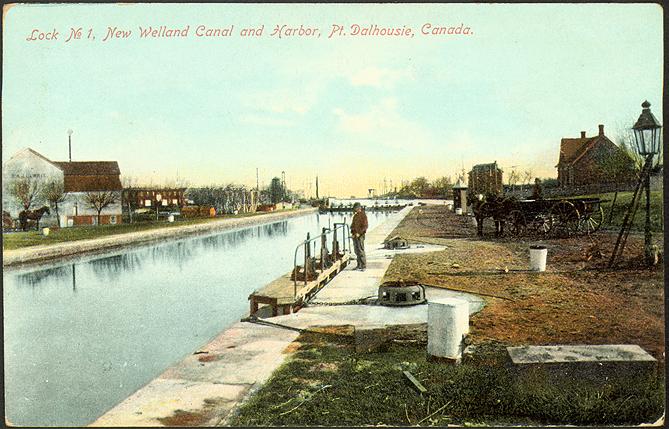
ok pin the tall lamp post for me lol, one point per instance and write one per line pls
(647, 139)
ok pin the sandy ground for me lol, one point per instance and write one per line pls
(576, 301)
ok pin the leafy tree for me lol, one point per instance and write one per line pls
(442, 186)
(54, 194)
(276, 190)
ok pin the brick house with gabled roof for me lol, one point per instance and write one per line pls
(485, 178)
(582, 159)
(78, 178)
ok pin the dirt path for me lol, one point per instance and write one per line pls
(576, 301)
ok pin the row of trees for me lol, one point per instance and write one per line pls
(232, 198)
(225, 199)
(30, 192)
(421, 187)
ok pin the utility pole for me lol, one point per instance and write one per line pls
(69, 142)
(317, 187)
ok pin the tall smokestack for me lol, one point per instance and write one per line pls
(582, 134)
(601, 129)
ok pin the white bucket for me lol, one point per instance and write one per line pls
(170, 218)
(458, 211)
(45, 232)
(538, 256)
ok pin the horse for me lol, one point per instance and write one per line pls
(7, 221)
(491, 206)
(35, 215)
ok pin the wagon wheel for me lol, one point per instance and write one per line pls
(592, 221)
(541, 224)
(517, 223)
(564, 219)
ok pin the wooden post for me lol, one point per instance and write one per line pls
(306, 258)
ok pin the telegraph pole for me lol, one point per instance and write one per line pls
(69, 142)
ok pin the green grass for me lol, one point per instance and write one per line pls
(623, 201)
(329, 384)
(17, 240)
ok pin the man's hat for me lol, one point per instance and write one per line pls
(356, 205)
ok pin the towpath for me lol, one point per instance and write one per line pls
(36, 254)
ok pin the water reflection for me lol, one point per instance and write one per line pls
(138, 310)
(45, 276)
(111, 267)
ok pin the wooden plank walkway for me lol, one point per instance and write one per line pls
(282, 294)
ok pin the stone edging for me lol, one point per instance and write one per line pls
(44, 253)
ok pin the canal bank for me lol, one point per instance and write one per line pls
(37, 254)
(207, 387)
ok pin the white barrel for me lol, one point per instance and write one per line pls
(170, 218)
(538, 256)
(458, 211)
(447, 324)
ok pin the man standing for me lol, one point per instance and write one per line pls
(358, 230)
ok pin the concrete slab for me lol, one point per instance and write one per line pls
(373, 315)
(206, 386)
(586, 363)
(583, 353)
(161, 398)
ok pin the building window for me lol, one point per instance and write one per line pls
(112, 219)
(175, 201)
(147, 203)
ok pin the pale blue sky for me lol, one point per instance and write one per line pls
(353, 110)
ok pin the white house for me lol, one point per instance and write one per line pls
(79, 178)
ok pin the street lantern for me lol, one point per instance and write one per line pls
(647, 138)
(647, 132)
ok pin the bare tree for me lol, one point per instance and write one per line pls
(622, 166)
(514, 176)
(99, 200)
(26, 190)
(127, 196)
(54, 194)
(527, 176)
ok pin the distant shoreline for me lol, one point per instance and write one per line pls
(48, 253)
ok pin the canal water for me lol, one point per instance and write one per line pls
(82, 336)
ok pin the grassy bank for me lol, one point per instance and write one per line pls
(623, 201)
(17, 240)
(326, 383)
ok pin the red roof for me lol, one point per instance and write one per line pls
(89, 176)
(88, 168)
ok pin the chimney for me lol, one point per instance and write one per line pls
(601, 129)
(582, 134)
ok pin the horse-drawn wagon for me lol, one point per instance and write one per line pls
(558, 217)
